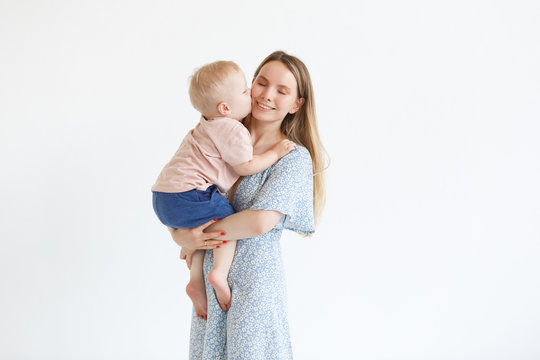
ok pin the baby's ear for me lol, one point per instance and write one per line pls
(223, 108)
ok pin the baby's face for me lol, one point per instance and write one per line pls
(238, 95)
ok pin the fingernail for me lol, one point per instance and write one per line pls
(222, 233)
(217, 246)
(215, 220)
(224, 241)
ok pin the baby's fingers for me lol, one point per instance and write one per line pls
(289, 145)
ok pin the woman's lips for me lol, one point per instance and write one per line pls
(263, 107)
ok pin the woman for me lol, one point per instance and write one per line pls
(288, 195)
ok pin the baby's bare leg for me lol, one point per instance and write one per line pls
(223, 258)
(196, 287)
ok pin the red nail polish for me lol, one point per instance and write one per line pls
(224, 241)
(215, 220)
(217, 246)
(222, 233)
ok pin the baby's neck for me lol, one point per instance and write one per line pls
(210, 118)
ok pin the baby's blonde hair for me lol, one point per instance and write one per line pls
(206, 82)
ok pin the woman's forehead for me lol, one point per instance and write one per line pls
(277, 72)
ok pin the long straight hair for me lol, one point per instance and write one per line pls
(301, 127)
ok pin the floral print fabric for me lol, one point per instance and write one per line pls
(256, 325)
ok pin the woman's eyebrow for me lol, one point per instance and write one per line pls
(279, 85)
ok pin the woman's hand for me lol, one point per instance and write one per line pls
(196, 239)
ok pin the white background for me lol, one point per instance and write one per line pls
(430, 243)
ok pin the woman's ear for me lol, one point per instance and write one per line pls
(223, 108)
(298, 104)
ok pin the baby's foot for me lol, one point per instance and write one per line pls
(220, 285)
(197, 293)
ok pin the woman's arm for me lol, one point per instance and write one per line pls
(246, 224)
(241, 225)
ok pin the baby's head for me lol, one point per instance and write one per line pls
(219, 89)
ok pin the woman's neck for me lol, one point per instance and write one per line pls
(265, 134)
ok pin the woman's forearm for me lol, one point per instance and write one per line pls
(246, 224)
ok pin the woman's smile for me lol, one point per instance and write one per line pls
(263, 107)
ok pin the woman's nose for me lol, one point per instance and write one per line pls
(266, 94)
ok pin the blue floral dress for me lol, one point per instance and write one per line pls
(256, 325)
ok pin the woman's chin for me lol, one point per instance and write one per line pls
(264, 115)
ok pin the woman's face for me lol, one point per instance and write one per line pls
(274, 93)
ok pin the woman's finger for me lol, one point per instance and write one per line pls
(212, 235)
(209, 235)
(210, 244)
(205, 225)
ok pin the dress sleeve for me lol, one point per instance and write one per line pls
(289, 190)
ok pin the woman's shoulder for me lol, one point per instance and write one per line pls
(298, 157)
(299, 153)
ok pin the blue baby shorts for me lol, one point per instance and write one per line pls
(191, 208)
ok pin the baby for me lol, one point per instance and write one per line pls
(189, 190)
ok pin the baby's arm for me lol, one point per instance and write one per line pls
(265, 160)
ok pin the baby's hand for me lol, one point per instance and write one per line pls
(283, 147)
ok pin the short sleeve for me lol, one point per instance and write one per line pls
(234, 143)
(289, 190)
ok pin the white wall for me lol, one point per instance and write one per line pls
(430, 111)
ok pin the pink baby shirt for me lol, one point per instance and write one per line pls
(206, 156)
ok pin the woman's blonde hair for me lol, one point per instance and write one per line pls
(301, 127)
